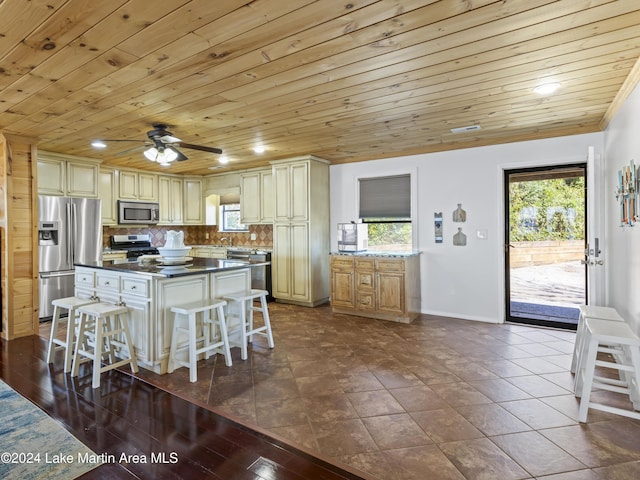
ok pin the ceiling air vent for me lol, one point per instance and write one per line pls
(470, 128)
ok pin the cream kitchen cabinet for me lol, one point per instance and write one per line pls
(381, 287)
(108, 180)
(256, 197)
(291, 263)
(301, 231)
(170, 191)
(137, 186)
(291, 183)
(128, 185)
(66, 175)
(193, 205)
(131, 290)
(208, 251)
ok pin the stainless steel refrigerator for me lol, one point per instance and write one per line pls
(69, 231)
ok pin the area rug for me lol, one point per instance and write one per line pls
(35, 446)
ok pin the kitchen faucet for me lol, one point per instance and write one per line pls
(229, 241)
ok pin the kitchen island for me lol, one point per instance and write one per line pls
(150, 289)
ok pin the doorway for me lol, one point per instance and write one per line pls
(545, 220)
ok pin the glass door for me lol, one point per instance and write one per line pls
(545, 245)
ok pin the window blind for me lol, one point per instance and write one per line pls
(385, 197)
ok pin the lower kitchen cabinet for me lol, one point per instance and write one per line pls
(208, 252)
(381, 287)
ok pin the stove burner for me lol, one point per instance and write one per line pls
(135, 245)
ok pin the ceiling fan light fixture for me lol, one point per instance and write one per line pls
(161, 155)
(151, 153)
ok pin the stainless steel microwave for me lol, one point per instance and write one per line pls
(140, 213)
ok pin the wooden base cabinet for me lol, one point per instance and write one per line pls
(377, 287)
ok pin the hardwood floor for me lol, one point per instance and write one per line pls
(127, 415)
(441, 398)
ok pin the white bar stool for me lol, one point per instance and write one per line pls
(70, 304)
(590, 311)
(107, 326)
(189, 311)
(244, 302)
(608, 337)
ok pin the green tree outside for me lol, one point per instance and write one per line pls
(547, 210)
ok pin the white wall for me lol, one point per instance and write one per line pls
(464, 282)
(622, 144)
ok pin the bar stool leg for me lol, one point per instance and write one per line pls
(54, 333)
(127, 336)
(193, 357)
(243, 333)
(97, 351)
(267, 320)
(587, 374)
(82, 343)
(634, 383)
(224, 336)
(174, 344)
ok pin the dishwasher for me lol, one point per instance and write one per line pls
(260, 276)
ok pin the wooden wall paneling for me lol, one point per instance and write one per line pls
(19, 252)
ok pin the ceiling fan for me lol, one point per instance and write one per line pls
(162, 146)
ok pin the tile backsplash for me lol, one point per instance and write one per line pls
(197, 235)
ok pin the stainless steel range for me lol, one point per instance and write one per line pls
(135, 245)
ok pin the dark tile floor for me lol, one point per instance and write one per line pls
(441, 398)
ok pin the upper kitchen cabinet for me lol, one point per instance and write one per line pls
(301, 245)
(256, 197)
(193, 206)
(108, 181)
(291, 183)
(170, 191)
(138, 186)
(67, 175)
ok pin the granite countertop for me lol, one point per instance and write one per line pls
(234, 247)
(380, 253)
(195, 266)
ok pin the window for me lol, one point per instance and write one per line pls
(230, 218)
(385, 205)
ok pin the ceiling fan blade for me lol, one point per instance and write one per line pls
(169, 139)
(201, 148)
(133, 149)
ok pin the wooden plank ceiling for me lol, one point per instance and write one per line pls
(344, 80)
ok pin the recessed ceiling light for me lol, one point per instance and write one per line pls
(98, 144)
(258, 149)
(223, 159)
(547, 88)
